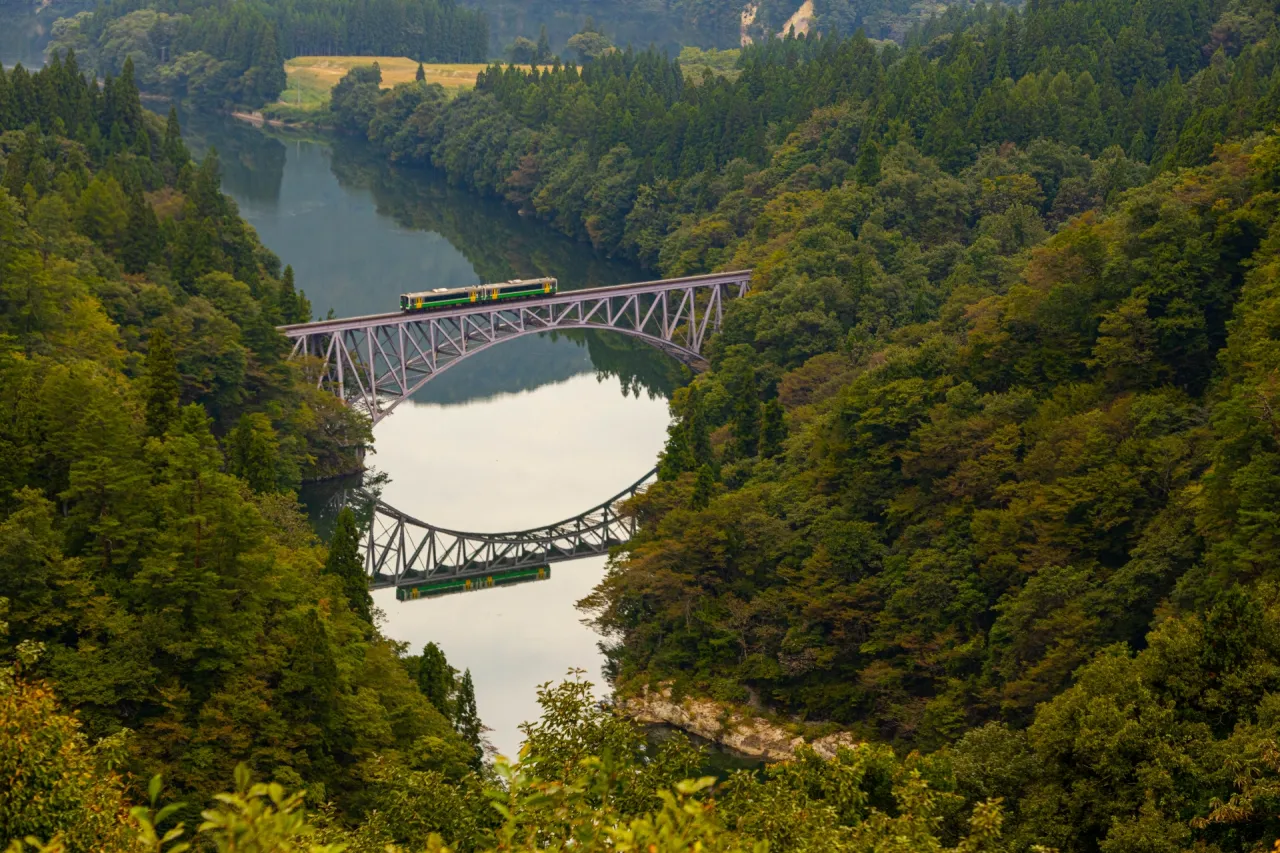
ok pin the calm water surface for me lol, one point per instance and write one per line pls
(524, 434)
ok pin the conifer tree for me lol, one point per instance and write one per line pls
(163, 384)
(773, 429)
(173, 148)
(699, 433)
(253, 453)
(128, 106)
(542, 54)
(142, 241)
(867, 170)
(344, 563)
(740, 380)
(704, 488)
(421, 74)
(270, 76)
(675, 458)
(467, 719)
(293, 305)
(435, 679)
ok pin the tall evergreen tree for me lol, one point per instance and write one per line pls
(467, 718)
(142, 241)
(293, 305)
(773, 429)
(345, 564)
(163, 384)
(704, 488)
(699, 432)
(253, 453)
(740, 381)
(421, 74)
(867, 170)
(173, 148)
(543, 53)
(435, 679)
(268, 66)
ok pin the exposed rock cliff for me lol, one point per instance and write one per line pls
(729, 727)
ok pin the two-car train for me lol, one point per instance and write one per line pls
(448, 297)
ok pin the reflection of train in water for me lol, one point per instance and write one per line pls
(444, 297)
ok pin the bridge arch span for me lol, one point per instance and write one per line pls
(401, 551)
(378, 361)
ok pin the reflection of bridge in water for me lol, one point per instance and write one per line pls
(417, 558)
(376, 362)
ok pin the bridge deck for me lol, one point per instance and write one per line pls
(563, 297)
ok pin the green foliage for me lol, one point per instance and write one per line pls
(177, 592)
(294, 307)
(163, 384)
(625, 153)
(773, 429)
(466, 718)
(590, 44)
(704, 488)
(977, 515)
(253, 455)
(141, 242)
(436, 679)
(344, 563)
(987, 466)
(53, 784)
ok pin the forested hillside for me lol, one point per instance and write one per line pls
(987, 462)
(671, 24)
(151, 439)
(985, 470)
(216, 54)
(628, 154)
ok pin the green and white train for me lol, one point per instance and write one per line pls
(448, 297)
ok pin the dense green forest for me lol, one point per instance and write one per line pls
(628, 154)
(987, 462)
(169, 625)
(986, 468)
(215, 54)
(151, 439)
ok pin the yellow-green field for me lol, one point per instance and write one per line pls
(312, 77)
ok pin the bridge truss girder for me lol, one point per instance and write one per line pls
(377, 362)
(400, 550)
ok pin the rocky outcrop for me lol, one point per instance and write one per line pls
(732, 728)
(801, 21)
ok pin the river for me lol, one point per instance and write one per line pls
(358, 233)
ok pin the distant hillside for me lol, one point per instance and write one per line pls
(671, 24)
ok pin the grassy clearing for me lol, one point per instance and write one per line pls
(312, 77)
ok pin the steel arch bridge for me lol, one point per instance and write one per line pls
(402, 552)
(378, 361)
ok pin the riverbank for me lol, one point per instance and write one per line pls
(733, 727)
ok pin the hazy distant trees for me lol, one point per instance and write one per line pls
(234, 53)
(590, 42)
